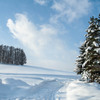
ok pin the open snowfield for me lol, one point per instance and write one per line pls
(37, 83)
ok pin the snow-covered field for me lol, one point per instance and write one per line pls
(37, 83)
(78, 90)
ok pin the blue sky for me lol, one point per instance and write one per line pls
(49, 31)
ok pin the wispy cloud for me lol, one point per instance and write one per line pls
(47, 48)
(36, 37)
(70, 10)
(41, 2)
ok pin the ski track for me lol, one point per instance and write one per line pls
(33, 83)
(49, 88)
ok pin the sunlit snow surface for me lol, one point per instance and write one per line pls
(33, 83)
(78, 90)
(37, 83)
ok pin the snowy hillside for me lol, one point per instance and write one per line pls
(37, 83)
(32, 83)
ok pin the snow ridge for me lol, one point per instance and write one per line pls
(19, 90)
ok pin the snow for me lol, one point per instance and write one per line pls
(84, 64)
(97, 50)
(28, 92)
(92, 31)
(27, 69)
(32, 83)
(88, 30)
(38, 83)
(98, 28)
(97, 37)
(95, 44)
(78, 90)
(89, 48)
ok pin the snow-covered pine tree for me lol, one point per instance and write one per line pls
(80, 60)
(90, 58)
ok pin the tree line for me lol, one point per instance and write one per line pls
(12, 55)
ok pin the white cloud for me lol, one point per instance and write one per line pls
(34, 37)
(41, 2)
(45, 46)
(69, 10)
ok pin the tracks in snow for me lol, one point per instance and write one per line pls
(49, 88)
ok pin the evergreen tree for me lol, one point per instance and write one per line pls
(1, 53)
(11, 55)
(90, 52)
(80, 60)
(22, 58)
